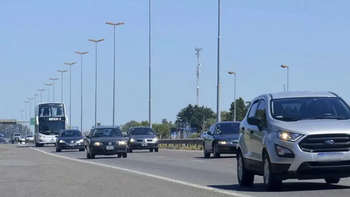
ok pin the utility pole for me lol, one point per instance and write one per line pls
(35, 95)
(30, 112)
(48, 91)
(197, 71)
(150, 63)
(62, 71)
(287, 67)
(25, 116)
(218, 112)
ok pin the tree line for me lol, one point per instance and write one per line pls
(193, 116)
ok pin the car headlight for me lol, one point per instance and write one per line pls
(80, 141)
(97, 143)
(222, 142)
(62, 141)
(155, 139)
(288, 136)
(41, 136)
(121, 143)
(132, 140)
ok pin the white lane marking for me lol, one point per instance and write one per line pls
(161, 157)
(196, 160)
(230, 193)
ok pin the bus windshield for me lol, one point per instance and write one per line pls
(51, 127)
(51, 111)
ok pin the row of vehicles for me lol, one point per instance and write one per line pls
(287, 135)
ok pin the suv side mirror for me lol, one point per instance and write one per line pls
(255, 120)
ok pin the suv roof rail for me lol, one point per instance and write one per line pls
(333, 93)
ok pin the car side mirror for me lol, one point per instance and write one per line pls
(87, 136)
(255, 120)
(209, 133)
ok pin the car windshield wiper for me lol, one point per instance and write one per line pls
(287, 119)
(327, 117)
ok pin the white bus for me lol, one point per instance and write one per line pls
(50, 118)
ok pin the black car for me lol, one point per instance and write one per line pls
(142, 138)
(69, 139)
(105, 141)
(221, 138)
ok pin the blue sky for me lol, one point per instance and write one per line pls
(37, 37)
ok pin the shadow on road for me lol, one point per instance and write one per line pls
(99, 157)
(221, 157)
(286, 187)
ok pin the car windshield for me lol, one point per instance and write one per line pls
(71, 133)
(51, 127)
(17, 134)
(227, 128)
(109, 132)
(51, 111)
(306, 108)
(141, 131)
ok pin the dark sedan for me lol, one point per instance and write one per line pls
(69, 139)
(142, 138)
(222, 138)
(105, 141)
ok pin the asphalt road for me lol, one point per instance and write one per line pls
(166, 173)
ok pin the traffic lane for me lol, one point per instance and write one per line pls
(28, 173)
(212, 173)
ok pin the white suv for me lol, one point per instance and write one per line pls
(294, 135)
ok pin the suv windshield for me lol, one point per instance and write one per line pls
(141, 131)
(306, 108)
(71, 133)
(227, 128)
(108, 132)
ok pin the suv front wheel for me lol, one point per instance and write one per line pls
(271, 184)
(245, 177)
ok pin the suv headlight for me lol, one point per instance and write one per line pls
(80, 141)
(155, 139)
(121, 143)
(132, 140)
(288, 136)
(97, 143)
(221, 142)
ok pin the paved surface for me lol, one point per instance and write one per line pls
(166, 173)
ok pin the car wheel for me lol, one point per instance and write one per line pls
(58, 150)
(332, 180)
(151, 150)
(270, 182)
(81, 149)
(215, 151)
(119, 155)
(125, 155)
(205, 152)
(245, 177)
(156, 149)
(88, 155)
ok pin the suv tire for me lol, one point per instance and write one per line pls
(270, 182)
(245, 177)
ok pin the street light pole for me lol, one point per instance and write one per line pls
(70, 92)
(96, 41)
(234, 96)
(53, 88)
(35, 95)
(81, 87)
(30, 112)
(114, 25)
(150, 63)
(48, 91)
(41, 94)
(287, 67)
(22, 120)
(62, 71)
(25, 116)
(218, 113)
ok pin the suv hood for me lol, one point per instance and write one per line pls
(315, 126)
(140, 137)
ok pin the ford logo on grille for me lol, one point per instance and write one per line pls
(329, 142)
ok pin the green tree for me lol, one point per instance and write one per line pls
(128, 125)
(240, 112)
(194, 116)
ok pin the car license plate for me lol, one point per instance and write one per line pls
(330, 156)
(109, 147)
(144, 143)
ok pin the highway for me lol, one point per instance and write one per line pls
(29, 171)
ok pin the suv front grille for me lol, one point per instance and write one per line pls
(317, 143)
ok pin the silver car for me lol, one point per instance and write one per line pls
(294, 135)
